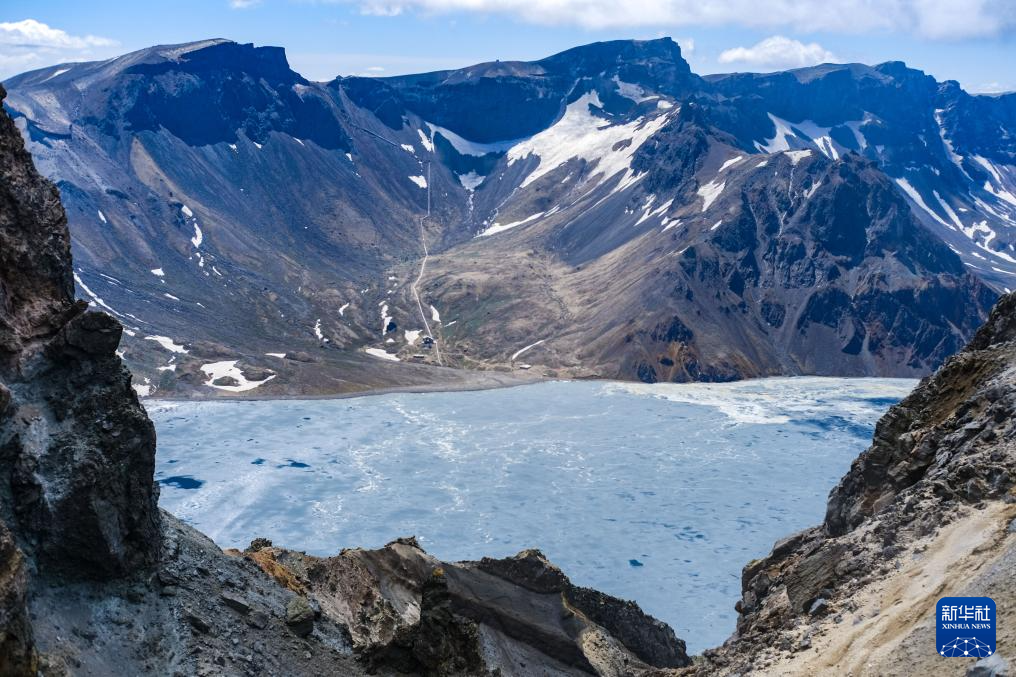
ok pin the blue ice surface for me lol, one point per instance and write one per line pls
(657, 493)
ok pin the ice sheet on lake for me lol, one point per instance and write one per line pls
(692, 481)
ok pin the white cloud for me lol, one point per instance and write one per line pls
(992, 88)
(929, 18)
(323, 66)
(35, 34)
(778, 53)
(30, 44)
(243, 4)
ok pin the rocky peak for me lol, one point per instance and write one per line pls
(657, 64)
(208, 56)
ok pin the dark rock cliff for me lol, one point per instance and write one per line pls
(77, 449)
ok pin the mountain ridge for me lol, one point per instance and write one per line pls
(610, 164)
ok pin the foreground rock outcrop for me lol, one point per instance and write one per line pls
(94, 580)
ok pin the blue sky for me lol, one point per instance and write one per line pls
(973, 41)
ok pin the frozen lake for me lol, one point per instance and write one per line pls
(657, 493)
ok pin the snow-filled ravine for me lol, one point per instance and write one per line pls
(657, 493)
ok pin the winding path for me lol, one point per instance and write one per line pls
(423, 267)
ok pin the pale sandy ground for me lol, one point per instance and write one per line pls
(892, 632)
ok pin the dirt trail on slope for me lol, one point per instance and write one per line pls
(892, 631)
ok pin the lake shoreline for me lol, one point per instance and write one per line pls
(479, 385)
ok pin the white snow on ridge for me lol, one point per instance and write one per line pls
(797, 155)
(342, 309)
(632, 91)
(779, 141)
(425, 141)
(383, 354)
(158, 272)
(710, 192)
(317, 331)
(731, 162)
(102, 217)
(168, 344)
(278, 355)
(531, 345)
(385, 318)
(434, 315)
(198, 235)
(91, 294)
(59, 71)
(808, 132)
(419, 181)
(948, 210)
(580, 134)
(647, 214)
(465, 146)
(990, 167)
(1001, 192)
(500, 228)
(187, 211)
(919, 201)
(471, 181)
(408, 148)
(228, 369)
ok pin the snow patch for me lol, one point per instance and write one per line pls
(710, 192)
(500, 228)
(797, 155)
(919, 201)
(385, 317)
(632, 91)
(168, 344)
(198, 235)
(731, 162)
(466, 147)
(408, 148)
(581, 135)
(434, 315)
(425, 141)
(228, 369)
(471, 181)
(412, 336)
(158, 272)
(531, 345)
(102, 217)
(419, 181)
(92, 295)
(381, 353)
